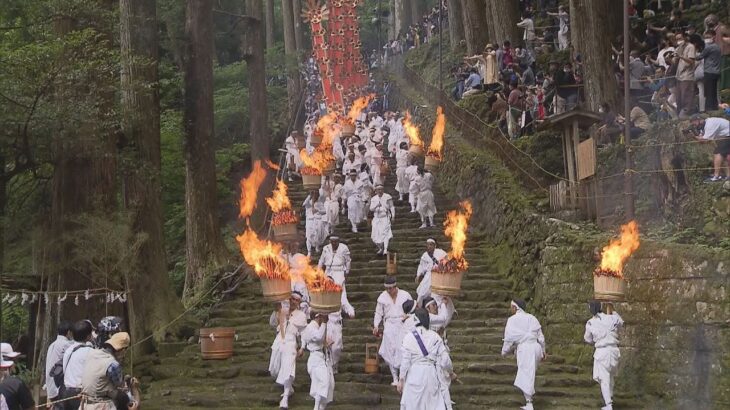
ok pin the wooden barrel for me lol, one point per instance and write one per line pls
(371, 358)
(285, 232)
(446, 284)
(216, 343)
(416, 150)
(301, 142)
(391, 263)
(276, 290)
(325, 302)
(609, 288)
(348, 130)
(329, 170)
(311, 181)
(431, 163)
(315, 139)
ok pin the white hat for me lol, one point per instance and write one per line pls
(7, 351)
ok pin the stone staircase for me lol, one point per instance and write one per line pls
(184, 381)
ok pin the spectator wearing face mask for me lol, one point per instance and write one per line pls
(685, 55)
(711, 55)
(722, 39)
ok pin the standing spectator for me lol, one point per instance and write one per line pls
(712, 58)
(566, 90)
(16, 394)
(563, 21)
(685, 55)
(103, 378)
(507, 57)
(716, 130)
(516, 101)
(638, 71)
(74, 360)
(722, 39)
(55, 353)
(528, 76)
(529, 27)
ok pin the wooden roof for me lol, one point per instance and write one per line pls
(585, 119)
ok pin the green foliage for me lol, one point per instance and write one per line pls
(15, 321)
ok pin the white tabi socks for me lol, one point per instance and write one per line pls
(385, 246)
(288, 391)
(430, 220)
(528, 399)
(394, 373)
(607, 393)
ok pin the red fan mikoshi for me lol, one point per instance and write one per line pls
(447, 275)
(608, 279)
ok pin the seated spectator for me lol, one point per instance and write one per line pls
(473, 83)
(609, 130)
(566, 90)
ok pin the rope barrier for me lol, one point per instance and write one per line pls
(45, 405)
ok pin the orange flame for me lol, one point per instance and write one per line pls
(328, 126)
(412, 131)
(437, 136)
(614, 255)
(263, 256)
(456, 225)
(317, 280)
(279, 201)
(249, 189)
(358, 105)
(317, 162)
(272, 165)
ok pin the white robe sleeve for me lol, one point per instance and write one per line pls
(379, 313)
(588, 335)
(347, 258)
(346, 306)
(323, 257)
(424, 265)
(407, 357)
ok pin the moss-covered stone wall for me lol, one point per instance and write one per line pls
(676, 344)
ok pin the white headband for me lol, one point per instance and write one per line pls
(431, 302)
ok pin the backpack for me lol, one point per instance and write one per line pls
(57, 370)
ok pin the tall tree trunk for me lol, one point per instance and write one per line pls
(392, 33)
(298, 26)
(456, 24)
(290, 49)
(252, 45)
(270, 39)
(142, 186)
(592, 28)
(502, 19)
(417, 10)
(403, 17)
(205, 250)
(475, 23)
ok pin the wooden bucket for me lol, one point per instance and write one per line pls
(416, 150)
(329, 170)
(371, 358)
(311, 181)
(446, 284)
(325, 302)
(284, 232)
(609, 288)
(216, 343)
(391, 263)
(315, 139)
(431, 163)
(276, 290)
(348, 130)
(301, 142)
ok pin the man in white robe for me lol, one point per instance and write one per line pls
(350, 163)
(401, 163)
(523, 335)
(389, 312)
(381, 205)
(293, 159)
(315, 339)
(289, 321)
(429, 260)
(439, 315)
(316, 221)
(602, 332)
(426, 205)
(352, 192)
(424, 360)
(414, 180)
(297, 264)
(335, 328)
(335, 260)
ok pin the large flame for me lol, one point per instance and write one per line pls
(279, 201)
(358, 105)
(437, 136)
(328, 126)
(281, 206)
(412, 131)
(318, 281)
(263, 256)
(250, 188)
(317, 162)
(457, 222)
(614, 255)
